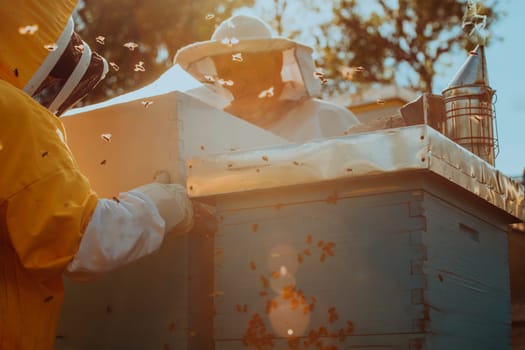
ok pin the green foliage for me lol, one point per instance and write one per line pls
(383, 35)
(159, 28)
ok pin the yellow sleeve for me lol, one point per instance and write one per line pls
(48, 201)
(47, 219)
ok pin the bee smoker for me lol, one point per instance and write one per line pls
(469, 111)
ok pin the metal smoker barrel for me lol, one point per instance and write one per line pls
(469, 113)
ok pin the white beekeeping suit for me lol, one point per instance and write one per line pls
(265, 80)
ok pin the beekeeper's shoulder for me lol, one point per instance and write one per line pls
(330, 111)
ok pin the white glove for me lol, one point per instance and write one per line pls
(173, 205)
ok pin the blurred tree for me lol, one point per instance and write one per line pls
(288, 18)
(279, 9)
(159, 28)
(374, 40)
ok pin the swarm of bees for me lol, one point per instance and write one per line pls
(106, 137)
(267, 93)
(100, 39)
(131, 46)
(256, 333)
(139, 67)
(114, 66)
(51, 47)
(230, 41)
(237, 57)
(28, 30)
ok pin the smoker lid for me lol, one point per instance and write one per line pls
(473, 71)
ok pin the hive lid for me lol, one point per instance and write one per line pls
(389, 151)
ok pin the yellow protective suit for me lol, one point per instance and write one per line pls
(51, 222)
(45, 203)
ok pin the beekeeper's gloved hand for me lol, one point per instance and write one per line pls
(171, 201)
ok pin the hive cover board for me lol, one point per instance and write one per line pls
(119, 147)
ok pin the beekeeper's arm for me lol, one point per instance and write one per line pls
(129, 227)
(54, 220)
(316, 119)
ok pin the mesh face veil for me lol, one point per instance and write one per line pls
(249, 35)
(64, 79)
(51, 63)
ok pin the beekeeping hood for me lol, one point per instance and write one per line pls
(246, 34)
(41, 54)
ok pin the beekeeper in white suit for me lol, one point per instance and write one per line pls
(267, 81)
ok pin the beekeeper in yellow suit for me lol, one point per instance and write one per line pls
(268, 81)
(51, 221)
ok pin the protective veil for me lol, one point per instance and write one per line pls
(288, 105)
(51, 221)
(42, 54)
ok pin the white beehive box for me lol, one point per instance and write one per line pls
(394, 239)
(119, 147)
